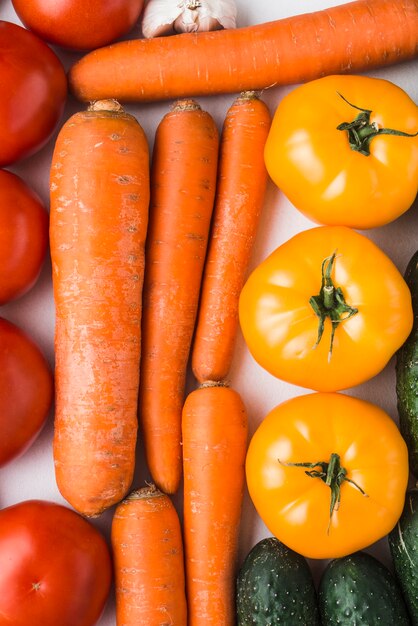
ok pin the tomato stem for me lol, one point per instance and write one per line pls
(361, 130)
(333, 475)
(330, 303)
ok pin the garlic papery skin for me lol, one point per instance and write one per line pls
(168, 17)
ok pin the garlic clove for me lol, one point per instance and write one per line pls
(159, 16)
(223, 11)
(166, 17)
(203, 24)
(189, 22)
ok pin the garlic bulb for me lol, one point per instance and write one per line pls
(166, 17)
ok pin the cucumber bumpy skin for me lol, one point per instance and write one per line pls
(358, 589)
(407, 374)
(403, 543)
(275, 586)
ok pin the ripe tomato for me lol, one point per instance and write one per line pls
(358, 177)
(23, 236)
(26, 391)
(320, 446)
(55, 566)
(326, 310)
(79, 24)
(33, 89)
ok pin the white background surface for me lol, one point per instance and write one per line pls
(32, 475)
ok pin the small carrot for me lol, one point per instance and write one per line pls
(242, 180)
(148, 561)
(183, 180)
(352, 37)
(99, 214)
(214, 448)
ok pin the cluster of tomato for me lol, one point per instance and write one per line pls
(55, 565)
(327, 310)
(34, 91)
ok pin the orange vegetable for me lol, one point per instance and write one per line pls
(148, 561)
(242, 180)
(99, 215)
(291, 50)
(326, 310)
(339, 165)
(214, 447)
(327, 474)
(183, 180)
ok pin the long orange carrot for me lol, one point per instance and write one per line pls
(148, 561)
(214, 448)
(99, 215)
(352, 37)
(183, 179)
(242, 180)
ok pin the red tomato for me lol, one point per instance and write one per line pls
(23, 236)
(33, 88)
(26, 392)
(79, 24)
(55, 567)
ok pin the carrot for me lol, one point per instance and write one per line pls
(352, 37)
(99, 214)
(214, 448)
(183, 180)
(148, 561)
(242, 180)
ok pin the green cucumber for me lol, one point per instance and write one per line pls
(275, 586)
(403, 543)
(407, 374)
(358, 589)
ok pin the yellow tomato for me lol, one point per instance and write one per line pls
(327, 474)
(319, 331)
(331, 153)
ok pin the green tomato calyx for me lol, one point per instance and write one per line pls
(332, 474)
(330, 303)
(361, 130)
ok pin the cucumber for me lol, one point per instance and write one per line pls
(358, 589)
(275, 586)
(403, 543)
(407, 374)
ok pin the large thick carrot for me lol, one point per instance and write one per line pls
(148, 561)
(214, 448)
(99, 215)
(352, 37)
(242, 180)
(183, 180)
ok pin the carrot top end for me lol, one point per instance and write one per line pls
(110, 105)
(244, 96)
(214, 383)
(186, 104)
(150, 491)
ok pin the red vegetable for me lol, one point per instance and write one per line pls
(33, 88)
(79, 24)
(26, 391)
(23, 236)
(55, 567)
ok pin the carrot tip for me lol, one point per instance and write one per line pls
(149, 491)
(248, 95)
(214, 383)
(110, 104)
(186, 104)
